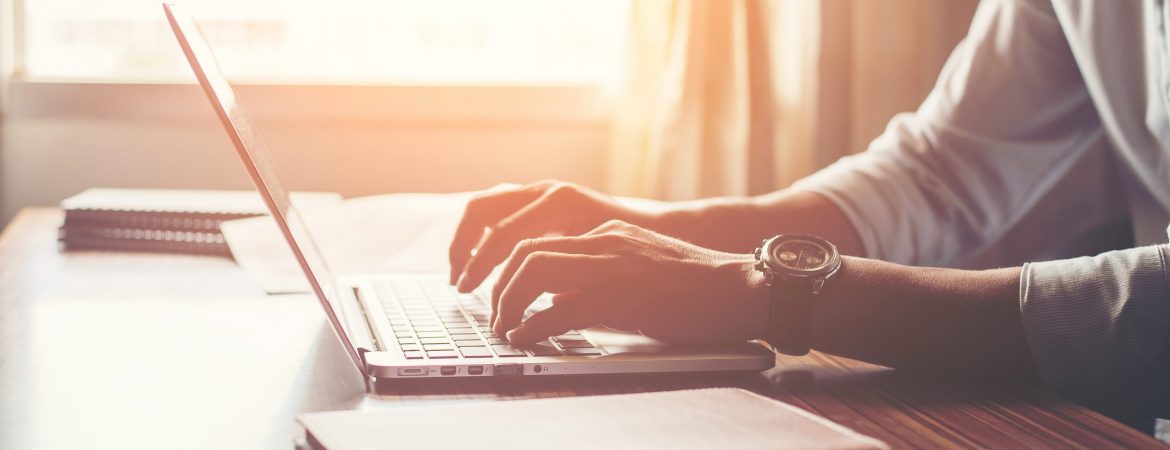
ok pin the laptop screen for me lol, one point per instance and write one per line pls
(261, 169)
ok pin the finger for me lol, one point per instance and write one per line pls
(541, 272)
(484, 210)
(530, 221)
(568, 312)
(574, 245)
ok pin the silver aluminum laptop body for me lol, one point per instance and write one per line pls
(414, 325)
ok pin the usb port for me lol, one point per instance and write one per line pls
(412, 371)
(447, 370)
(509, 370)
(475, 370)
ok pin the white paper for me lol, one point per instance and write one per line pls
(694, 419)
(385, 233)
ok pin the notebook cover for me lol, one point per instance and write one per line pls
(162, 220)
(691, 419)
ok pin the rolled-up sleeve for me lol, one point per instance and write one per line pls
(1099, 329)
(1009, 116)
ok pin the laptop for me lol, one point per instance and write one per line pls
(400, 326)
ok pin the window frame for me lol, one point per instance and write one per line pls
(22, 97)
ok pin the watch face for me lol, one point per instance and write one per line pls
(801, 255)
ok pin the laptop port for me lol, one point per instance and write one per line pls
(475, 370)
(412, 371)
(509, 370)
(447, 370)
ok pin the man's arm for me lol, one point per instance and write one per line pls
(941, 321)
(741, 224)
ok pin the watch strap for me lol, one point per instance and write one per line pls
(790, 311)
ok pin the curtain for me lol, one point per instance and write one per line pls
(742, 97)
(7, 57)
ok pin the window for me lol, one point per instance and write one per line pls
(399, 42)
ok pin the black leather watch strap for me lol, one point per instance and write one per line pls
(791, 309)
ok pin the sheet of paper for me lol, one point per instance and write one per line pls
(386, 233)
(378, 234)
(691, 419)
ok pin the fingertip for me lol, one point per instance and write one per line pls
(462, 285)
(520, 336)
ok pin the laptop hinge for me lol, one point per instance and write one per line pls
(372, 338)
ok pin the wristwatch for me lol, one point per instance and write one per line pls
(796, 268)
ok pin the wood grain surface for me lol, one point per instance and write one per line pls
(108, 350)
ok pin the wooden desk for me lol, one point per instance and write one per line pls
(103, 350)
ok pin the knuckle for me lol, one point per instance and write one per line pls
(528, 245)
(561, 189)
(614, 224)
(479, 198)
(538, 257)
(532, 262)
(611, 239)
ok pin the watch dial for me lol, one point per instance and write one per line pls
(801, 255)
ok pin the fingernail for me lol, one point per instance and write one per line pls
(461, 285)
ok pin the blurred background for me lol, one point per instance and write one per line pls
(669, 99)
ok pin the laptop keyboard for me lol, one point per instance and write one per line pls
(431, 320)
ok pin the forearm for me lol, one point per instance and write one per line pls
(739, 224)
(942, 321)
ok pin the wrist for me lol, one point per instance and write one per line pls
(721, 224)
(752, 297)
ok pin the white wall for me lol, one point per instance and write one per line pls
(51, 153)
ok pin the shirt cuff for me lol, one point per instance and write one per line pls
(1097, 328)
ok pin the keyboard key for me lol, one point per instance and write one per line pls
(574, 343)
(465, 337)
(443, 346)
(432, 334)
(403, 334)
(496, 340)
(413, 355)
(475, 343)
(545, 348)
(409, 347)
(508, 350)
(475, 352)
(442, 354)
(582, 351)
(407, 341)
(434, 340)
(428, 328)
(461, 330)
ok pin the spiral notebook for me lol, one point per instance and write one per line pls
(689, 419)
(161, 220)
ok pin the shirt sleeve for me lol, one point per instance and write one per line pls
(1098, 329)
(1009, 116)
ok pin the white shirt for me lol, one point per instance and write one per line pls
(1034, 86)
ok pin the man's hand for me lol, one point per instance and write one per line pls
(494, 222)
(632, 279)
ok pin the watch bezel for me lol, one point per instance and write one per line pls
(767, 256)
